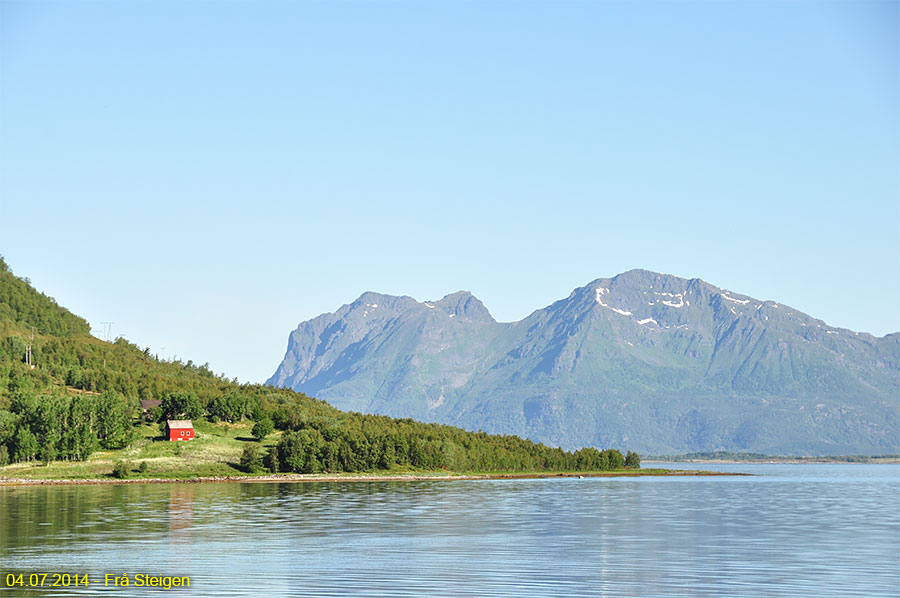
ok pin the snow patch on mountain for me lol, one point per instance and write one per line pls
(741, 301)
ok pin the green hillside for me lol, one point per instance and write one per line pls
(74, 411)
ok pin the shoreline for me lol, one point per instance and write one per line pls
(310, 478)
(888, 461)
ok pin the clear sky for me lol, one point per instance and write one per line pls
(206, 175)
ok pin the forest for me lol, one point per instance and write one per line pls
(79, 394)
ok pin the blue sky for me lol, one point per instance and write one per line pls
(208, 174)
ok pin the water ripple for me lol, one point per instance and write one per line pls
(830, 530)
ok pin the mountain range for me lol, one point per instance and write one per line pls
(651, 361)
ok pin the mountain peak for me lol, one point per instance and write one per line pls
(466, 305)
(369, 296)
(646, 279)
(458, 294)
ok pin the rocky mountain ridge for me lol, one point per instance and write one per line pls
(662, 363)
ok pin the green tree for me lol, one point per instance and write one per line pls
(251, 459)
(8, 424)
(25, 445)
(262, 428)
(178, 405)
(616, 460)
(233, 407)
(633, 460)
(114, 420)
(299, 452)
(589, 459)
(270, 461)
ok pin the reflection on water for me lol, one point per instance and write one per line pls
(181, 514)
(826, 530)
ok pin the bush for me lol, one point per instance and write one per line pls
(251, 459)
(262, 428)
(142, 468)
(120, 470)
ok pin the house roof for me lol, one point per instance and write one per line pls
(150, 403)
(175, 424)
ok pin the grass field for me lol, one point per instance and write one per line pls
(215, 452)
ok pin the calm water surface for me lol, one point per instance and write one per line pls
(790, 530)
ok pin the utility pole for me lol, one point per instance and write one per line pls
(107, 330)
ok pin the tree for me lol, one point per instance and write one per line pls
(177, 405)
(114, 415)
(299, 452)
(616, 460)
(270, 461)
(589, 459)
(25, 445)
(232, 407)
(251, 459)
(633, 460)
(262, 428)
(8, 424)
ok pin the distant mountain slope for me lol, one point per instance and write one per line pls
(661, 363)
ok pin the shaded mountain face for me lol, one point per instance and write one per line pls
(648, 361)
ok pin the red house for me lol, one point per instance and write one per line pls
(179, 429)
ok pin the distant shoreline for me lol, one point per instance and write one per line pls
(307, 478)
(778, 461)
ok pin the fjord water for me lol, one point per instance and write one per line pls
(789, 530)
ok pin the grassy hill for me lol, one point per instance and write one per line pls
(74, 413)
